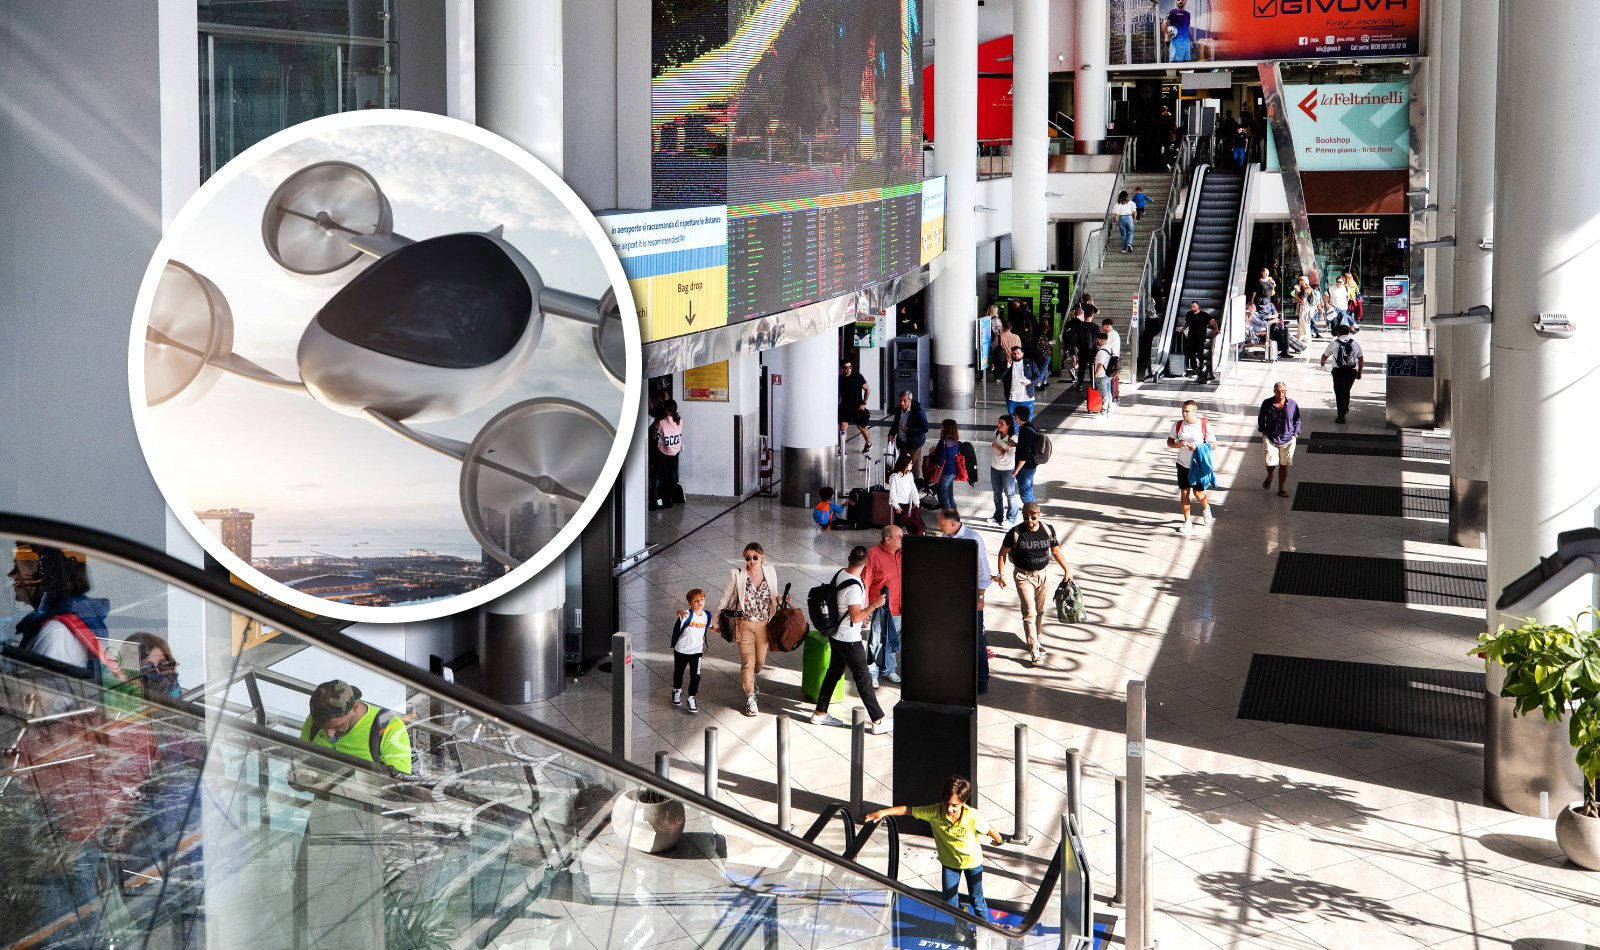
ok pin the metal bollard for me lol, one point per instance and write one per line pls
(1020, 833)
(1075, 786)
(621, 695)
(664, 765)
(1119, 895)
(1149, 912)
(711, 763)
(783, 773)
(1137, 934)
(858, 764)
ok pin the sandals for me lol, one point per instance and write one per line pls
(1283, 494)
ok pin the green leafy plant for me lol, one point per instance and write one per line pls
(1555, 669)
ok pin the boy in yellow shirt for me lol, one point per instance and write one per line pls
(956, 826)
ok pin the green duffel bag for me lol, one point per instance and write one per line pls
(814, 666)
(1069, 603)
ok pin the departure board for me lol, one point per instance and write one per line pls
(902, 230)
(850, 227)
(772, 262)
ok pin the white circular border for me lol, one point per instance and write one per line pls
(632, 386)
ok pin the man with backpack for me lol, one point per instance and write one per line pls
(341, 721)
(1032, 448)
(1031, 545)
(1348, 363)
(850, 616)
(1193, 439)
(1103, 369)
(1021, 379)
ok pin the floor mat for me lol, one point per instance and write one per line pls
(1394, 445)
(1365, 697)
(1390, 501)
(1391, 579)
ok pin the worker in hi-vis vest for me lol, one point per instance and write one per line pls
(340, 720)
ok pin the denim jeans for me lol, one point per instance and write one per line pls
(1025, 483)
(950, 883)
(889, 640)
(1125, 228)
(1103, 383)
(947, 490)
(1004, 486)
(1012, 404)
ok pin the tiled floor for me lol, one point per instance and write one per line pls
(1264, 835)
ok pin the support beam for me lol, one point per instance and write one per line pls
(955, 292)
(1030, 137)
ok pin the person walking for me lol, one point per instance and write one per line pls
(1348, 362)
(1008, 341)
(946, 460)
(666, 445)
(1031, 545)
(1001, 465)
(1265, 288)
(950, 526)
(1279, 425)
(846, 650)
(1191, 432)
(883, 571)
(1124, 211)
(1307, 305)
(1339, 300)
(1026, 454)
(910, 427)
(904, 501)
(1077, 344)
(1197, 335)
(1021, 380)
(1140, 199)
(688, 646)
(853, 392)
(1102, 373)
(956, 826)
(753, 594)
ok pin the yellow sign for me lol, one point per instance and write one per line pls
(706, 383)
(677, 267)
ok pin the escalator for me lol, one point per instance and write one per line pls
(164, 814)
(1206, 255)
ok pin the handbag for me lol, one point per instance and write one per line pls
(728, 623)
(788, 626)
(1069, 602)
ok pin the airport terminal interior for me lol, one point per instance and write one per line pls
(1005, 474)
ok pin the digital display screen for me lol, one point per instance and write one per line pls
(804, 117)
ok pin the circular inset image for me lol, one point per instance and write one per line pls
(378, 368)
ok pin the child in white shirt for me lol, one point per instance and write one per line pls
(688, 644)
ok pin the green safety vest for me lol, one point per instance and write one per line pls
(392, 744)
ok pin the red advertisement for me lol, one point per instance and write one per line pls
(994, 91)
(1151, 32)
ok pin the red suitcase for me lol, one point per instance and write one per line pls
(1094, 400)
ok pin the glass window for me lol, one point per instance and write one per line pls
(268, 64)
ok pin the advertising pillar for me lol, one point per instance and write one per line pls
(1089, 96)
(810, 421)
(1546, 466)
(1470, 403)
(955, 293)
(519, 90)
(1030, 139)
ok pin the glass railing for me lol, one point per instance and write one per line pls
(159, 790)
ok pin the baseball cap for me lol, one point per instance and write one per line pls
(1030, 507)
(333, 699)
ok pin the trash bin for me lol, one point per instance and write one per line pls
(1408, 391)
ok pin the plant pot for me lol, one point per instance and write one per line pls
(1579, 837)
(648, 826)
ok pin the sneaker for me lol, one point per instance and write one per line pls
(1184, 528)
(693, 706)
(892, 677)
(750, 704)
(823, 719)
(1340, 420)
(880, 728)
(1210, 519)
(874, 680)
(677, 697)
(989, 652)
(866, 448)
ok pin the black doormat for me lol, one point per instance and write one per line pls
(1365, 697)
(1388, 445)
(1383, 500)
(1391, 579)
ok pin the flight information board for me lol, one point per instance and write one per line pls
(772, 257)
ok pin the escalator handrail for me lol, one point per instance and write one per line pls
(185, 576)
(1237, 263)
(892, 865)
(836, 808)
(1175, 294)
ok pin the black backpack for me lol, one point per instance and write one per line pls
(822, 602)
(1345, 356)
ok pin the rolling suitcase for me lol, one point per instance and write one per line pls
(860, 510)
(814, 666)
(881, 509)
(1093, 404)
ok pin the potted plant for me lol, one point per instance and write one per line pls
(645, 819)
(1556, 670)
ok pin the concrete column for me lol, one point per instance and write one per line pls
(955, 293)
(461, 60)
(1444, 110)
(1470, 405)
(1546, 463)
(810, 418)
(1030, 138)
(519, 642)
(519, 88)
(1089, 96)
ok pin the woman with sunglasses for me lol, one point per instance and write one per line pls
(752, 593)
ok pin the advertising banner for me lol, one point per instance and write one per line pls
(677, 267)
(1350, 126)
(932, 218)
(1385, 227)
(706, 383)
(1155, 32)
(1396, 301)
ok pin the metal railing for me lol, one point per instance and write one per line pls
(1156, 257)
(1224, 352)
(994, 159)
(1094, 251)
(1158, 366)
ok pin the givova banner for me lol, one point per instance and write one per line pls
(1150, 32)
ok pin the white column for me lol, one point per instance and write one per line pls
(1443, 112)
(634, 488)
(461, 60)
(810, 425)
(1089, 94)
(1546, 463)
(519, 74)
(1030, 137)
(1470, 405)
(519, 641)
(955, 292)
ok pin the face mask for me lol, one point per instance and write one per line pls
(161, 684)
